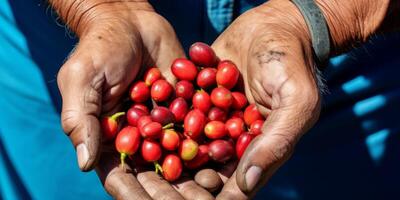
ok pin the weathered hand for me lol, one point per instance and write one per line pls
(117, 41)
(271, 46)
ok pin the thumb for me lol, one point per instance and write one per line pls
(294, 109)
(272, 148)
(266, 153)
(81, 90)
(92, 82)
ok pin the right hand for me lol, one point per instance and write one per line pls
(117, 40)
(274, 56)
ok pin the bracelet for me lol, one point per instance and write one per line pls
(318, 28)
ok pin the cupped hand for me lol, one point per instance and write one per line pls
(271, 46)
(117, 41)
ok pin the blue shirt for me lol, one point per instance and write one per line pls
(351, 153)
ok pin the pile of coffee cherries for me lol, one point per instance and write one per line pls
(204, 118)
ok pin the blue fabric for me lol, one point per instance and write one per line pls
(221, 13)
(37, 160)
(351, 153)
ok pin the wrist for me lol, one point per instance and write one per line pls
(286, 19)
(353, 21)
(81, 15)
(350, 22)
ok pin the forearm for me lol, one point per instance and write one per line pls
(79, 14)
(353, 21)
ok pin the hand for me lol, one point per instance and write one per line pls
(117, 41)
(271, 46)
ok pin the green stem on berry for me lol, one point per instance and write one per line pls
(158, 167)
(123, 156)
(170, 125)
(200, 90)
(116, 115)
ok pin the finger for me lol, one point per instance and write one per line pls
(81, 90)
(208, 179)
(231, 190)
(156, 186)
(168, 47)
(213, 179)
(120, 184)
(190, 190)
(294, 109)
(253, 171)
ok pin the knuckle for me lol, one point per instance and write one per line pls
(75, 66)
(305, 97)
(61, 76)
(310, 95)
(72, 69)
(309, 101)
(69, 121)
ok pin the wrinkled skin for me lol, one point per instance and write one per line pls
(117, 41)
(114, 47)
(275, 58)
(271, 46)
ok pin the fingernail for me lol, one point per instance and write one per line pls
(253, 175)
(83, 155)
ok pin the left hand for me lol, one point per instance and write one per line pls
(271, 46)
(116, 41)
